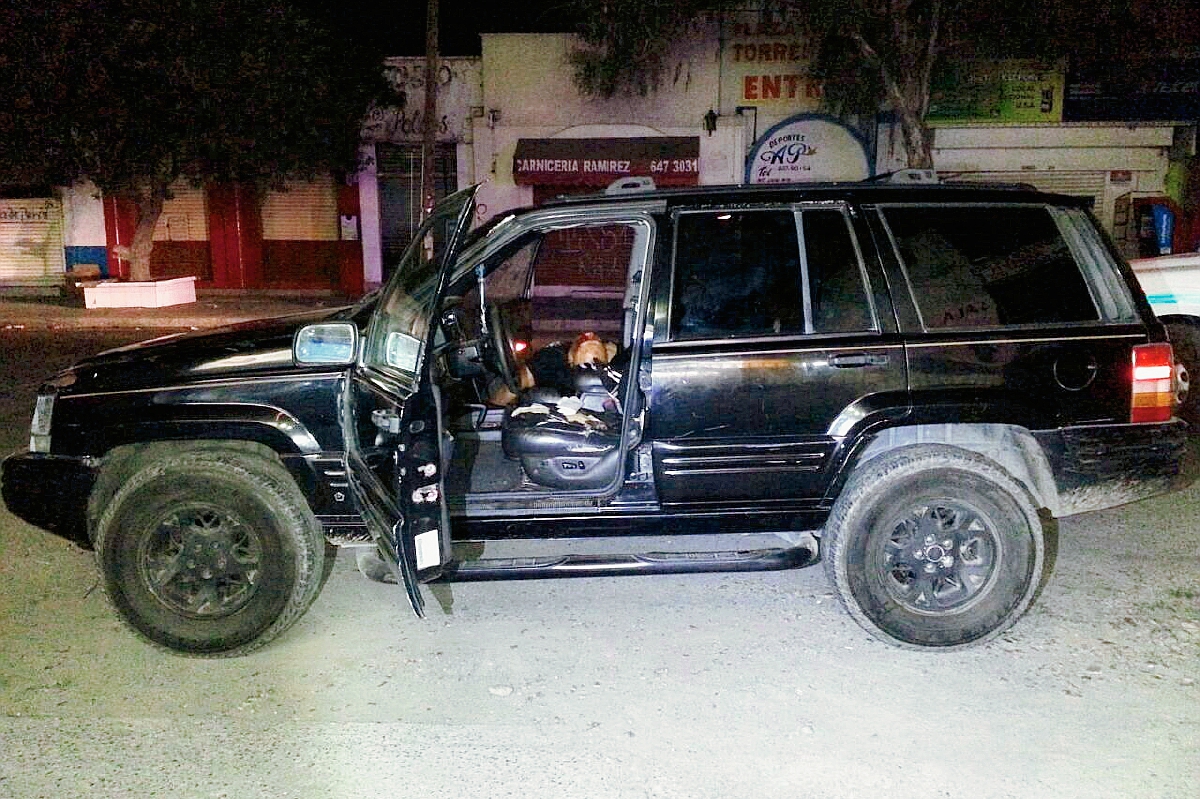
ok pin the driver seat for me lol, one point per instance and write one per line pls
(580, 450)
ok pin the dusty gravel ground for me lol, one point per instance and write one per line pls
(689, 686)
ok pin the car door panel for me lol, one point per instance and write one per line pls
(765, 424)
(396, 448)
(739, 414)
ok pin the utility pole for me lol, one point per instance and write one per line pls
(430, 128)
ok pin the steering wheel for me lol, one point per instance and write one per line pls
(504, 355)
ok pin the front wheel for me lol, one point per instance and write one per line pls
(210, 553)
(934, 547)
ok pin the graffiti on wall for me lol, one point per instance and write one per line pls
(459, 91)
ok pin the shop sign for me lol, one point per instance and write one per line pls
(1006, 91)
(766, 64)
(670, 160)
(1167, 90)
(808, 147)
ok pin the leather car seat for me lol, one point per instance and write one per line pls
(580, 449)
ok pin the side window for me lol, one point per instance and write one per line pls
(557, 283)
(976, 266)
(835, 281)
(579, 279)
(737, 273)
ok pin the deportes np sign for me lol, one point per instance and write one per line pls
(805, 148)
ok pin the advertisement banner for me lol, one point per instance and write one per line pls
(808, 148)
(1009, 91)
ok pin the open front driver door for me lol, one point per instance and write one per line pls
(395, 442)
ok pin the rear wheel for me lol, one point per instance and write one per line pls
(210, 553)
(934, 547)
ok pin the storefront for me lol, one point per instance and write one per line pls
(1024, 121)
(230, 236)
(389, 185)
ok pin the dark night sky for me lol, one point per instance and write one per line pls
(398, 27)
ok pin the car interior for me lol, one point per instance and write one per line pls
(534, 364)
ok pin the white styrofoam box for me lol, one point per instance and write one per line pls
(148, 294)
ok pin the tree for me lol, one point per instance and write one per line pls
(627, 42)
(139, 94)
(897, 41)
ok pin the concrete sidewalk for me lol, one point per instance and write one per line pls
(212, 308)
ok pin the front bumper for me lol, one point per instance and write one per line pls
(1102, 466)
(50, 492)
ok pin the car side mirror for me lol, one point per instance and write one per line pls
(333, 343)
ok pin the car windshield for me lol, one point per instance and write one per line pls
(398, 334)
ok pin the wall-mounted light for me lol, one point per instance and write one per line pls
(710, 121)
(493, 117)
(741, 111)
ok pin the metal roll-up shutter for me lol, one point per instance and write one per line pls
(305, 212)
(184, 217)
(1077, 184)
(31, 242)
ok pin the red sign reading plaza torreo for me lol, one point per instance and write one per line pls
(670, 160)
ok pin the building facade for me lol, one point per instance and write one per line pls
(736, 105)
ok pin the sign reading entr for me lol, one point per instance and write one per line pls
(765, 64)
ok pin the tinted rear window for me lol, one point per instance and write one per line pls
(977, 266)
(737, 273)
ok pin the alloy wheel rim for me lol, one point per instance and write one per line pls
(201, 562)
(939, 557)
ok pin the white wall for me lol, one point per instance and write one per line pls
(528, 78)
(459, 95)
(83, 216)
(529, 93)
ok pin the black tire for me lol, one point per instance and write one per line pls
(210, 553)
(373, 567)
(934, 547)
(1185, 341)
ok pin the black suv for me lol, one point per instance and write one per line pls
(908, 381)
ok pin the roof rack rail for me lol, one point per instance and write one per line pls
(908, 176)
(633, 183)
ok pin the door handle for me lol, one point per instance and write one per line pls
(858, 360)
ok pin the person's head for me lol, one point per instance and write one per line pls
(591, 349)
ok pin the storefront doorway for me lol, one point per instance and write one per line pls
(399, 170)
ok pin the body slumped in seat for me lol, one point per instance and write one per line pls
(566, 428)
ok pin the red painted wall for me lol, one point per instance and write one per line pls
(236, 256)
(350, 254)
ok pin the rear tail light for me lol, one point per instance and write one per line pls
(1153, 383)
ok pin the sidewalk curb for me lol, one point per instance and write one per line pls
(202, 314)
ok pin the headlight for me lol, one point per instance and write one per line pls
(39, 429)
